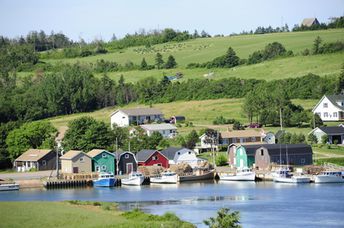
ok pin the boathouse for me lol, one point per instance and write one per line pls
(177, 155)
(102, 161)
(126, 162)
(37, 159)
(75, 161)
(152, 158)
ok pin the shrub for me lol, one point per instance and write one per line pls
(221, 160)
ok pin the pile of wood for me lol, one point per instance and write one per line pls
(181, 168)
(313, 169)
(150, 171)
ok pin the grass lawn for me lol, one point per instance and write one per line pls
(79, 214)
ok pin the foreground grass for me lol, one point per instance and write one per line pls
(80, 214)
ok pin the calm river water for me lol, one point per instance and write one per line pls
(263, 204)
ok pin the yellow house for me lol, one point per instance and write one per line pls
(75, 161)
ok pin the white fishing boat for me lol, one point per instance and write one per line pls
(283, 175)
(9, 186)
(329, 177)
(167, 177)
(243, 174)
(135, 178)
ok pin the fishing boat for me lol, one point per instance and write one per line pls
(197, 175)
(105, 180)
(283, 175)
(329, 177)
(135, 178)
(242, 174)
(167, 177)
(9, 186)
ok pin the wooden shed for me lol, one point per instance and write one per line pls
(75, 161)
(126, 162)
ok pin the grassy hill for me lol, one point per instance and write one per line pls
(205, 49)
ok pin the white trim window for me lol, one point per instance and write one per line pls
(97, 168)
(325, 114)
(335, 114)
(44, 163)
(81, 159)
(103, 167)
(126, 156)
(325, 105)
(104, 155)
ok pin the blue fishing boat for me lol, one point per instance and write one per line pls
(105, 180)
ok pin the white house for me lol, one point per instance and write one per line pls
(166, 130)
(330, 108)
(178, 155)
(335, 134)
(136, 116)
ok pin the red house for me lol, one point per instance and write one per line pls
(151, 157)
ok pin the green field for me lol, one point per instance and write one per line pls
(65, 214)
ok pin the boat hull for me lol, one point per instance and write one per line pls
(106, 182)
(164, 180)
(207, 176)
(9, 187)
(294, 180)
(328, 179)
(242, 177)
(133, 181)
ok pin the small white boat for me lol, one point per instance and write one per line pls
(9, 187)
(283, 175)
(329, 177)
(243, 174)
(105, 180)
(167, 177)
(135, 178)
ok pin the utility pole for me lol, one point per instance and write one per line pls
(57, 162)
(281, 122)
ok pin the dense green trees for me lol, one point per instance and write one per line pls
(230, 59)
(30, 135)
(271, 50)
(171, 62)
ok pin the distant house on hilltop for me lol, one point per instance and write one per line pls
(137, 116)
(308, 22)
(330, 108)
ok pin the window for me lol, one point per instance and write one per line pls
(261, 152)
(335, 114)
(325, 114)
(104, 155)
(189, 152)
(81, 159)
(178, 153)
(155, 158)
(325, 105)
(303, 161)
(103, 167)
(97, 168)
(44, 162)
(171, 131)
(126, 156)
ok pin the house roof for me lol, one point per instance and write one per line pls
(71, 154)
(143, 155)
(33, 155)
(276, 149)
(335, 98)
(170, 152)
(61, 133)
(158, 127)
(93, 153)
(139, 111)
(120, 153)
(332, 130)
(240, 133)
(309, 21)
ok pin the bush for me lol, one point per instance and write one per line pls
(224, 218)
(221, 160)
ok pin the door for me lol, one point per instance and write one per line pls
(75, 169)
(129, 167)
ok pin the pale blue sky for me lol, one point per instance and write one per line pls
(91, 19)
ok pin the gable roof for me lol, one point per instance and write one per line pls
(309, 21)
(119, 154)
(332, 130)
(333, 99)
(158, 127)
(276, 149)
(72, 154)
(240, 133)
(170, 152)
(139, 111)
(143, 155)
(33, 155)
(95, 152)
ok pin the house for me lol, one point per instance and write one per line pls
(151, 158)
(126, 162)
(177, 119)
(308, 22)
(207, 144)
(330, 108)
(241, 136)
(335, 134)
(75, 161)
(102, 161)
(177, 155)
(136, 116)
(262, 156)
(166, 130)
(37, 159)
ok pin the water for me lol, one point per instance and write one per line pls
(264, 204)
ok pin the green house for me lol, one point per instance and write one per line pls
(243, 157)
(102, 161)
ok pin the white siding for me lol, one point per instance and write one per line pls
(120, 118)
(318, 133)
(327, 111)
(187, 156)
(165, 133)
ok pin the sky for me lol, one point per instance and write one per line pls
(100, 19)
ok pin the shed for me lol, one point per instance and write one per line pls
(75, 161)
(152, 158)
(38, 159)
(335, 134)
(126, 162)
(102, 161)
(308, 22)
